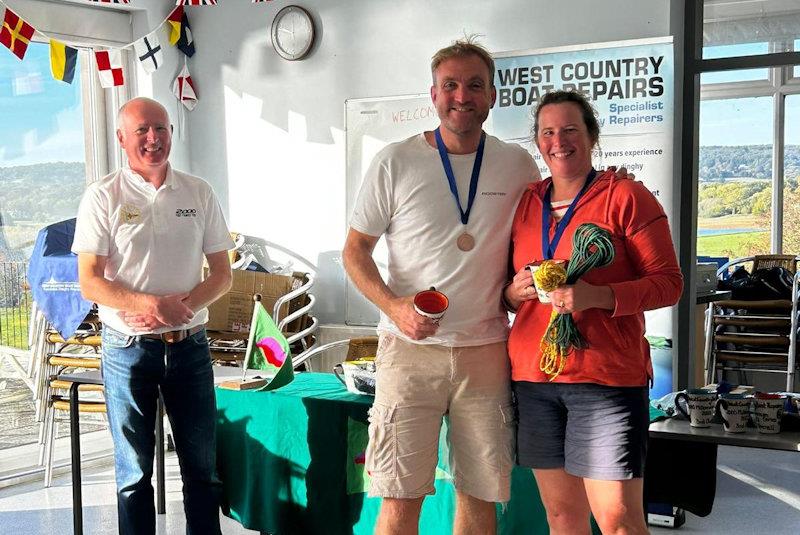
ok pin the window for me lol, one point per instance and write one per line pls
(735, 176)
(742, 112)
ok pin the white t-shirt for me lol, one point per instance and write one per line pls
(154, 240)
(406, 197)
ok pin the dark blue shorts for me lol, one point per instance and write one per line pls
(592, 431)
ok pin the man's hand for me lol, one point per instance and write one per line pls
(172, 310)
(622, 173)
(141, 323)
(412, 324)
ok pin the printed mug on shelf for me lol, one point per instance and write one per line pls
(734, 409)
(701, 405)
(768, 411)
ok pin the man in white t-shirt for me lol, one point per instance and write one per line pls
(444, 201)
(141, 237)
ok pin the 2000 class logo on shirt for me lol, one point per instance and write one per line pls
(186, 212)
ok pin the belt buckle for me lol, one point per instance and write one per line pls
(173, 337)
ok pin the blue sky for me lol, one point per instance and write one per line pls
(44, 120)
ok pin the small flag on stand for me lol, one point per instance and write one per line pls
(62, 61)
(180, 34)
(148, 50)
(195, 2)
(268, 350)
(16, 33)
(109, 67)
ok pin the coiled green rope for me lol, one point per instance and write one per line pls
(591, 248)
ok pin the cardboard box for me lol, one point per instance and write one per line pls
(233, 311)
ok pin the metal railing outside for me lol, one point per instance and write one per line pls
(15, 305)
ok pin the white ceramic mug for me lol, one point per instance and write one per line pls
(701, 405)
(734, 410)
(768, 411)
(541, 294)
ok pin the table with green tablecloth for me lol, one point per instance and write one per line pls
(292, 461)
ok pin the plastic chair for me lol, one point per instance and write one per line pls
(756, 336)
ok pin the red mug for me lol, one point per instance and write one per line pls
(431, 303)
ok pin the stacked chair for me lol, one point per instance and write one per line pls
(754, 335)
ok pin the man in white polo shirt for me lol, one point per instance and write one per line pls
(141, 237)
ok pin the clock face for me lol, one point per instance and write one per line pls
(292, 32)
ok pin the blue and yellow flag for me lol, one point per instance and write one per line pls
(180, 34)
(62, 61)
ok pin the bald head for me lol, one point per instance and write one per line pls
(136, 103)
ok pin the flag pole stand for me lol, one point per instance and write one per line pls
(244, 383)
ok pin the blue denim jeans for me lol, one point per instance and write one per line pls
(134, 370)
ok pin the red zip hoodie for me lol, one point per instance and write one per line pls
(643, 276)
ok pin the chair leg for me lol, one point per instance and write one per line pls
(44, 432)
(50, 446)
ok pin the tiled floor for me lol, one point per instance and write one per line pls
(758, 491)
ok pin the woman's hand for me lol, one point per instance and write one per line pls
(580, 296)
(520, 289)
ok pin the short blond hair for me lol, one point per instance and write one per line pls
(468, 46)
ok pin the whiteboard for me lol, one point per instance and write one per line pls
(370, 125)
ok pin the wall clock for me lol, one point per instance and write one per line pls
(293, 33)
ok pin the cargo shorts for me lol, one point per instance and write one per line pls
(419, 385)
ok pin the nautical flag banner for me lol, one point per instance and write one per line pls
(180, 33)
(148, 50)
(16, 33)
(195, 2)
(62, 61)
(109, 67)
(183, 88)
(268, 350)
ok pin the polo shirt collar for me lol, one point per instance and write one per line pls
(170, 181)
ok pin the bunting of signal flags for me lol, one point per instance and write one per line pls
(16, 33)
(62, 61)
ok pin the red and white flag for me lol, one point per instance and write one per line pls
(183, 87)
(195, 2)
(109, 67)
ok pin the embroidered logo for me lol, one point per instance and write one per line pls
(186, 212)
(129, 214)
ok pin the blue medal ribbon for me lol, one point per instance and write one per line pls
(548, 246)
(451, 179)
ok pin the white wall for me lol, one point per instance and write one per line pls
(269, 134)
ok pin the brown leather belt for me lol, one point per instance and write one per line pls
(173, 337)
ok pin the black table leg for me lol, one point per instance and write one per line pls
(161, 499)
(75, 442)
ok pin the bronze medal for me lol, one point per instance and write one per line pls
(465, 242)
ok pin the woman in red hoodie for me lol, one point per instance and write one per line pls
(584, 432)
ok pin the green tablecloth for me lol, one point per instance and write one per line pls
(291, 462)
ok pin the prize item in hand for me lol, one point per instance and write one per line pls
(591, 247)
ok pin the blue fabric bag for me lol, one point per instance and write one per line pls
(53, 277)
